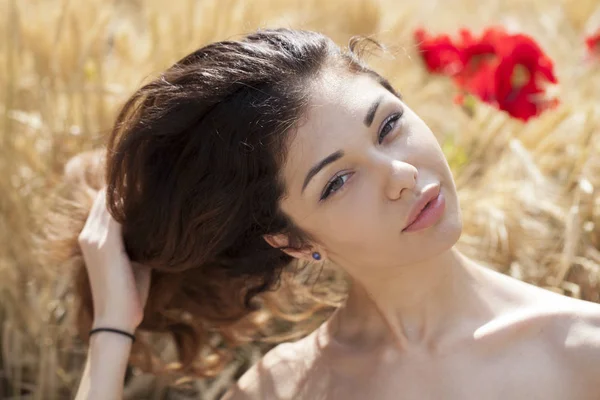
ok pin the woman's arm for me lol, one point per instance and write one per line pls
(119, 292)
(104, 372)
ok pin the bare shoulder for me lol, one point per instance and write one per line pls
(567, 329)
(577, 334)
(571, 330)
(279, 375)
(571, 322)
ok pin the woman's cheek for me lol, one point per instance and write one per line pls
(351, 217)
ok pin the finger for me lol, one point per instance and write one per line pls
(92, 223)
(114, 228)
(106, 224)
(98, 206)
(103, 213)
(112, 224)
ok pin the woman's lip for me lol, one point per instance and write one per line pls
(428, 193)
(429, 215)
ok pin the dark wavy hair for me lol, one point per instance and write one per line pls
(192, 169)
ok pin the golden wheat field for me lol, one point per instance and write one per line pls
(530, 192)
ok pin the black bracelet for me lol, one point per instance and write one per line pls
(131, 336)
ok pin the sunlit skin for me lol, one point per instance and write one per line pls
(422, 321)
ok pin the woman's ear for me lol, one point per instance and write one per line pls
(281, 240)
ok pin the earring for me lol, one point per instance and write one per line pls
(316, 255)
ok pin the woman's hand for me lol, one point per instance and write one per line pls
(119, 287)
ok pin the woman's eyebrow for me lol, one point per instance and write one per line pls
(322, 164)
(371, 113)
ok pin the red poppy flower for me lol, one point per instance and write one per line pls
(502, 69)
(520, 77)
(593, 43)
(478, 50)
(480, 58)
(441, 56)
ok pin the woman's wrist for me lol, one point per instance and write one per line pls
(102, 339)
(113, 330)
(108, 355)
(109, 351)
(114, 324)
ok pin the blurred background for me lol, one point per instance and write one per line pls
(529, 190)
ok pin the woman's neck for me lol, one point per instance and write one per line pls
(415, 306)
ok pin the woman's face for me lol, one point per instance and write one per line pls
(379, 157)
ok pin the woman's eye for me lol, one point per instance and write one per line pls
(334, 185)
(388, 126)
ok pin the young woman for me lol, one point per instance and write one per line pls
(247, 155)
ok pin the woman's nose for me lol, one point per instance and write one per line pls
(402, 176)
